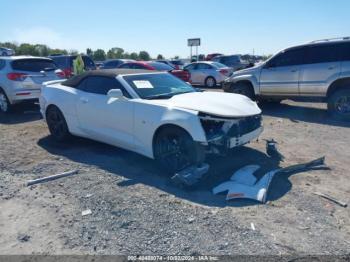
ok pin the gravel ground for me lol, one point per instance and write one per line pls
(137, 210)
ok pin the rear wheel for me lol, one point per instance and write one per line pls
(174, 150)
(210, 82)
(57, 124)
(243, 89)
(5, 105)
(339, 104)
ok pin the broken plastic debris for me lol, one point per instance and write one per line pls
(86, 212)
(243, 183)
(191, 175)
(252, 226)
(272, 150)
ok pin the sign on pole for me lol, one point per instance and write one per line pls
(194, 42)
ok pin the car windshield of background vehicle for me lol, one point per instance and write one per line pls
(160, 66)
(158, 86)
(34, 65)
(219, 65)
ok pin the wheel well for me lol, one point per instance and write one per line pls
(3, 90)
(208, 78)
(337, 85)
(166, 126)
(248, 84)
(48, 107)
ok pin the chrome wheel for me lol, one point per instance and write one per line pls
(3, 103)
(210, 82)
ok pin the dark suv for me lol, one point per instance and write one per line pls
(233, 61)
(65, 63)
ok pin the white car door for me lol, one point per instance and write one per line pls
(102, 118)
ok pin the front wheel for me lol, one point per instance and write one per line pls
(243, 89)
(57, 124)
(339, 105)
(174, 150)
(210, 82)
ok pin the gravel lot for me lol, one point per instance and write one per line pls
(137, 210)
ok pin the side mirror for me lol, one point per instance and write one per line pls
(115, 93)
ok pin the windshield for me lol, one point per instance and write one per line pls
(219, 65)
(157, 86)
(160, 66)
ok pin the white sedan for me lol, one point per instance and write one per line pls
(154, 114)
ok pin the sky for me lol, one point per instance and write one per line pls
(163, 26)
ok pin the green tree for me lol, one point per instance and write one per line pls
(73, 52)
(99, 55)
(57, 51)
(160, 57)
(143, 55)
(89, 52)
(176, 57)
(27, 49)
(42, 50)
(115, 53)
(134, 56)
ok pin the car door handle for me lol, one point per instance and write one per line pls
(331, 67)
(84, 100)
(294, 70)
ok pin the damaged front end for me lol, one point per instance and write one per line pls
(224, 133)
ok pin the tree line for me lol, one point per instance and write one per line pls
(97, 55)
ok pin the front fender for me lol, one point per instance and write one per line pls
(148, 118)
(248, 77)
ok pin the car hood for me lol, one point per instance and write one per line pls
(248, 70)
(213, 103)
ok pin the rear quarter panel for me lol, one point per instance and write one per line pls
(65, 98)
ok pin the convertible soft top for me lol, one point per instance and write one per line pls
(75, 80)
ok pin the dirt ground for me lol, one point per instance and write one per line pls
(137, 210)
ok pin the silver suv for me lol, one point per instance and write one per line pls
(320, 69)
(21, 78)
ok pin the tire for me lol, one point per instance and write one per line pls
(243, 89)
(339, 104)
(57, 124)
(210, 82)
(5, 105)
(174, 150)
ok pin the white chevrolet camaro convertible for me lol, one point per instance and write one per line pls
(154, 114)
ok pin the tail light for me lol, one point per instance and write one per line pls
(16, 76)
(67, 72)
(224, 71)
(60, 74)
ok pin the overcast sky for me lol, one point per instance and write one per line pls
(162, 27)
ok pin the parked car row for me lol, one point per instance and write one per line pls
(65, 63)
(151, 65)
(320, 69)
